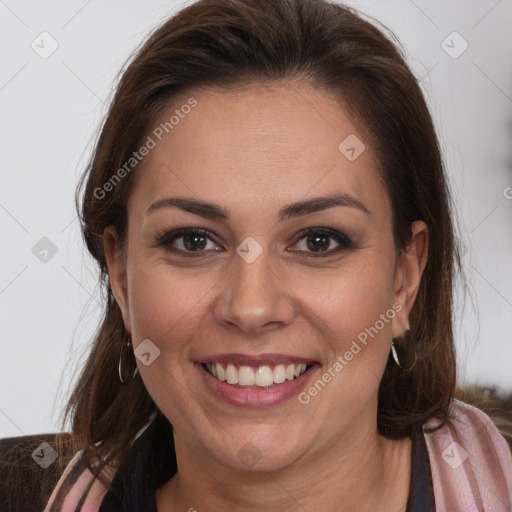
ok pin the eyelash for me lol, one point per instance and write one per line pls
(166, 238)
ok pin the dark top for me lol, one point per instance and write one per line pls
(152, 461)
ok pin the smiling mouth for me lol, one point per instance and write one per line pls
(249, 377)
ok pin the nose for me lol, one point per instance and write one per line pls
(253, 297)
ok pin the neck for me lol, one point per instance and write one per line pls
(356, 473)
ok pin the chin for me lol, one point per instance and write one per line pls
(258, 452)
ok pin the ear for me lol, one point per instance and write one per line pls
(116, 266)
(411, 265)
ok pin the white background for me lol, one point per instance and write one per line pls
(50, 111)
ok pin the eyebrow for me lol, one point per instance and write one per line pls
(300, 208)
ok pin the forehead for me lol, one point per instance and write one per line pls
(277, 142)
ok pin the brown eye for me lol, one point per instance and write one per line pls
(194, 242)
(318, 243)
(187, 240)
(322, 242)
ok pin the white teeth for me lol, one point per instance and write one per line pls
(246, 376)
(263, 376)
(221, 374)
(279, 374)
(231, 374)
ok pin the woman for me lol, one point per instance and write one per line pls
(269, 211)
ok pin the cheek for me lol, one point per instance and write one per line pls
(166, 305)
(353, 304)
(352, 313)
(349, 301)
(168, 308)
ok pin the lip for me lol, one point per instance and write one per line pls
(241, 397)
(260, 360)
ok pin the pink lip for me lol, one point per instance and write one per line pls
(260, 360)
(257, 397)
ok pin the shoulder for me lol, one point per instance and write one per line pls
(86, 483)
(30, 467)
(80, 487)
(470, 460)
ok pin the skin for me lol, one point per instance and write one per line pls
(253, 151)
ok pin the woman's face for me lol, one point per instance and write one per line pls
(288, 268)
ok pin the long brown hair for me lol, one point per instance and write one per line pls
(228, 43)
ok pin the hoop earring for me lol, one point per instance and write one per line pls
(404, 351)
(126, 343)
